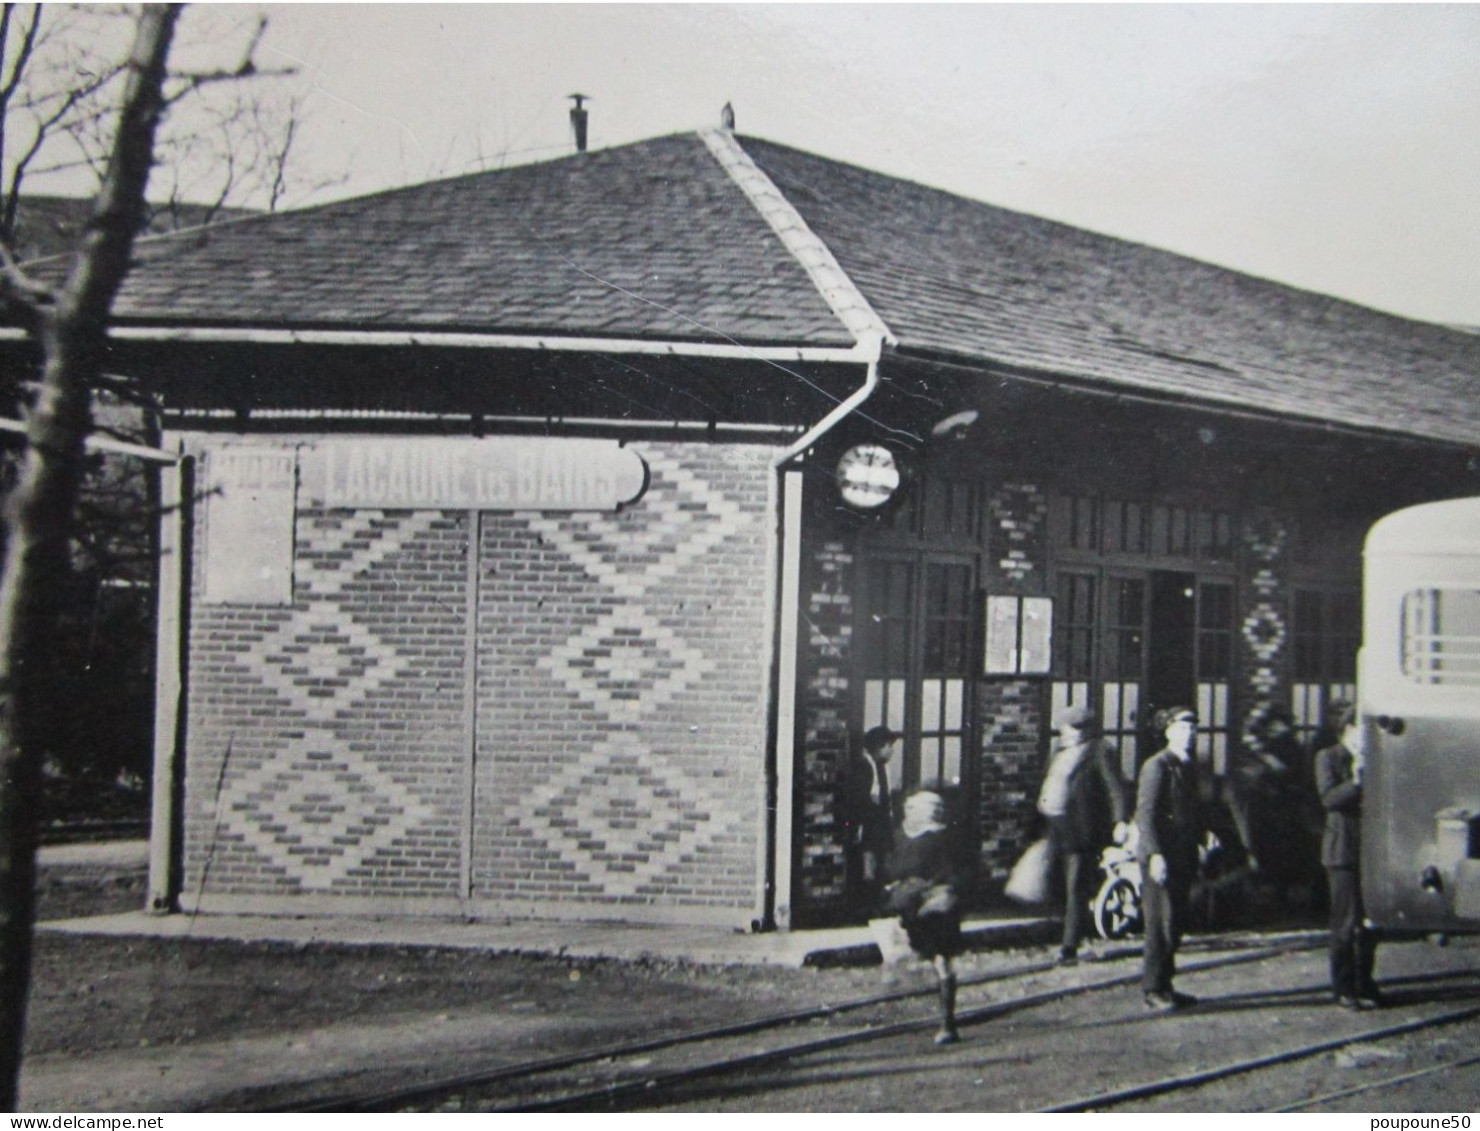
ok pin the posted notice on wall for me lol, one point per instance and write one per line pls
(249, 526)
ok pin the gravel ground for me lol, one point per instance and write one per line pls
(170, 1024)
(97, 998)
(160, 990)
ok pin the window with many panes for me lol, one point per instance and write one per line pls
(1215, 668)
(1126, 628)
(1088, 524)
(945, 670)
(1125, 527)
(1326, 632)
(888, 644)
(1074, 627)
(1106, 551)
(1215, 631)
(917, 661)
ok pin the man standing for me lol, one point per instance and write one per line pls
(1081, 798)
(1353, 952)
(868, 816)
(1171, 825)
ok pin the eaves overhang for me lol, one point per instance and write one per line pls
(1089, 385)
(857, 353)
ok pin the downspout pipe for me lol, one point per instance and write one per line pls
(872, 351)
(785, 574)
(870, 335)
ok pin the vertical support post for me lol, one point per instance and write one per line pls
(470, 701)
(786, 707)
(176, 489)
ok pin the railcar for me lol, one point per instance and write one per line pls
(1419, 695)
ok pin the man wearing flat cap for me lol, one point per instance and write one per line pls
(868, 817)
(1171, 826)
(1084, 802)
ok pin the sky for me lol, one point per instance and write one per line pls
(1335, 148)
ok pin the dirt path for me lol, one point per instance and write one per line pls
(227, 1073)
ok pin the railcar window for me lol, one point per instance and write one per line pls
(1441, 636)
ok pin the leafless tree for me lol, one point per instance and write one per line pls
(224, 144)
(59, 80)
(112, 117)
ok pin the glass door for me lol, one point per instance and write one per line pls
(1127, 642)
(917, 646)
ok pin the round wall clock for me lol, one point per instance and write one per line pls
(868, 476)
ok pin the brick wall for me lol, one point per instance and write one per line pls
(325, 740)
(1264, 616)
(620, 710)
(622, 698)
(1011, 711)
(1012, 727)
(1018, 513)
(825, 709)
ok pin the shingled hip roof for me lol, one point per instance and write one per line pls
(653, 241)
(662, 241)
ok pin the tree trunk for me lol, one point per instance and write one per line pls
(72, 334)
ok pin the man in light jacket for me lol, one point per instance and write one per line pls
(1084, 802)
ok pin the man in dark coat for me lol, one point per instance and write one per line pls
(1171, 825)
(1084, 802)
(868, 816)
(1285, 815)
(1353, 951)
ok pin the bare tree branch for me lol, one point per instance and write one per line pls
(22, 295)
(191, 83)
(39, 513)
(22, 59)
(279, 160)
(246, 69)
(7, 96)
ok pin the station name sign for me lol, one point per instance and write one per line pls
(498, 473)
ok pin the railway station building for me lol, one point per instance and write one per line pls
(542, 540)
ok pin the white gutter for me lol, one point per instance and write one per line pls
(848, 303)
(468, 419)
(433, 338)
(840, 410)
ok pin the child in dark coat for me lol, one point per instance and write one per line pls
(926, 888)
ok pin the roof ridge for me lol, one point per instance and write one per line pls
(1134, 243)
(832, 282)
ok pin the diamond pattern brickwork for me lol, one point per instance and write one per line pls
(622, 696)
(327, 750)
(1264, 623)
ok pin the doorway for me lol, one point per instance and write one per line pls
(918, 642)
(1128, 643)
(1171, 653)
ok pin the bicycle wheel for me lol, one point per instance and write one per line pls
(1117, 908)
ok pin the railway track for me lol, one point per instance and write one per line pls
(628, 1075)
(1371, 1086)
(1242, 1075)
(1107, 1101)
(756, 1056)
